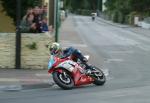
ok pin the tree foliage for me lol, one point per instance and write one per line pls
(123, 9)
(140, 5)
(127, 6)
(82, 4)
(74, 5)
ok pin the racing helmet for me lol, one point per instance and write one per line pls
(54, 48)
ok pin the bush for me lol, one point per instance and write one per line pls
(118, 17)
(83, 12)
(131, 18)
(121, 17)
(115, 16)
(126, 19)
(109, 15)
(32, 46)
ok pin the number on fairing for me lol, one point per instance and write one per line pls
(68, 65)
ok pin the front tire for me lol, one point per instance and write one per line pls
(64, 81)
(99, 76)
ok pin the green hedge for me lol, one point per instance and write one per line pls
(118, 17)
(84, 12)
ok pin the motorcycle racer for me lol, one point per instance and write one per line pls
(75, 54)
(55, 49)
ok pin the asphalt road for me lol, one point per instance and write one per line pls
(123, 53)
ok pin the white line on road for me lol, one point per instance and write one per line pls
(9, 80)
(144, 47)
(42, 74)
(121, 52)
(70, 43)
(113, 60)
(18, 80)
(10, 87)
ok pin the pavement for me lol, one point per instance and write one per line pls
(134, 29)
(22, 79)
(112, 23)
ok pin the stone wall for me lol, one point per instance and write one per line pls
(33, 58)
(7, 50)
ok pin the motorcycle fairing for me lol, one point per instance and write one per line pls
(68, 65)
(51, 62)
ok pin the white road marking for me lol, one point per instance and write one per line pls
(144, 47)
(9, 80)
(121, 52)
(114, 60)
(70, 43)
(10, 87)
(18, 80)
(42, 74)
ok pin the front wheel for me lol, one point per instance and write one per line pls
(63, 79)
(98, 75)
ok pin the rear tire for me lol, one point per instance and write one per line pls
(63, 82)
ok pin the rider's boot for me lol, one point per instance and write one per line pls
(88, 70)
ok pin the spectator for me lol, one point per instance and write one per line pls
(37, 19)
(29, 11)
(44, 25)
(44, 13)
(27, 24)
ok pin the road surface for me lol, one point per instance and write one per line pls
(124, 55)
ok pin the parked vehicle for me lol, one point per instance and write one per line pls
(68, 74)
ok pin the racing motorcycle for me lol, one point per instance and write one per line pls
(68, 74)
(93, 18)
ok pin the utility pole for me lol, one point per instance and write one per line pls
(51, 12)
(57, 20)
(18, 36)
(98, 4)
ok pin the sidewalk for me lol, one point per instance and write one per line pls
(112, 23)
(137, 30)
(13, 80)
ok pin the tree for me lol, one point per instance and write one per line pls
(140, 5)
(82, 4)
(10, 7)
(85, 4)
(127, 6)
(123, 9)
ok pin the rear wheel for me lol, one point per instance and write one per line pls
(98, 75)
(63, 79)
